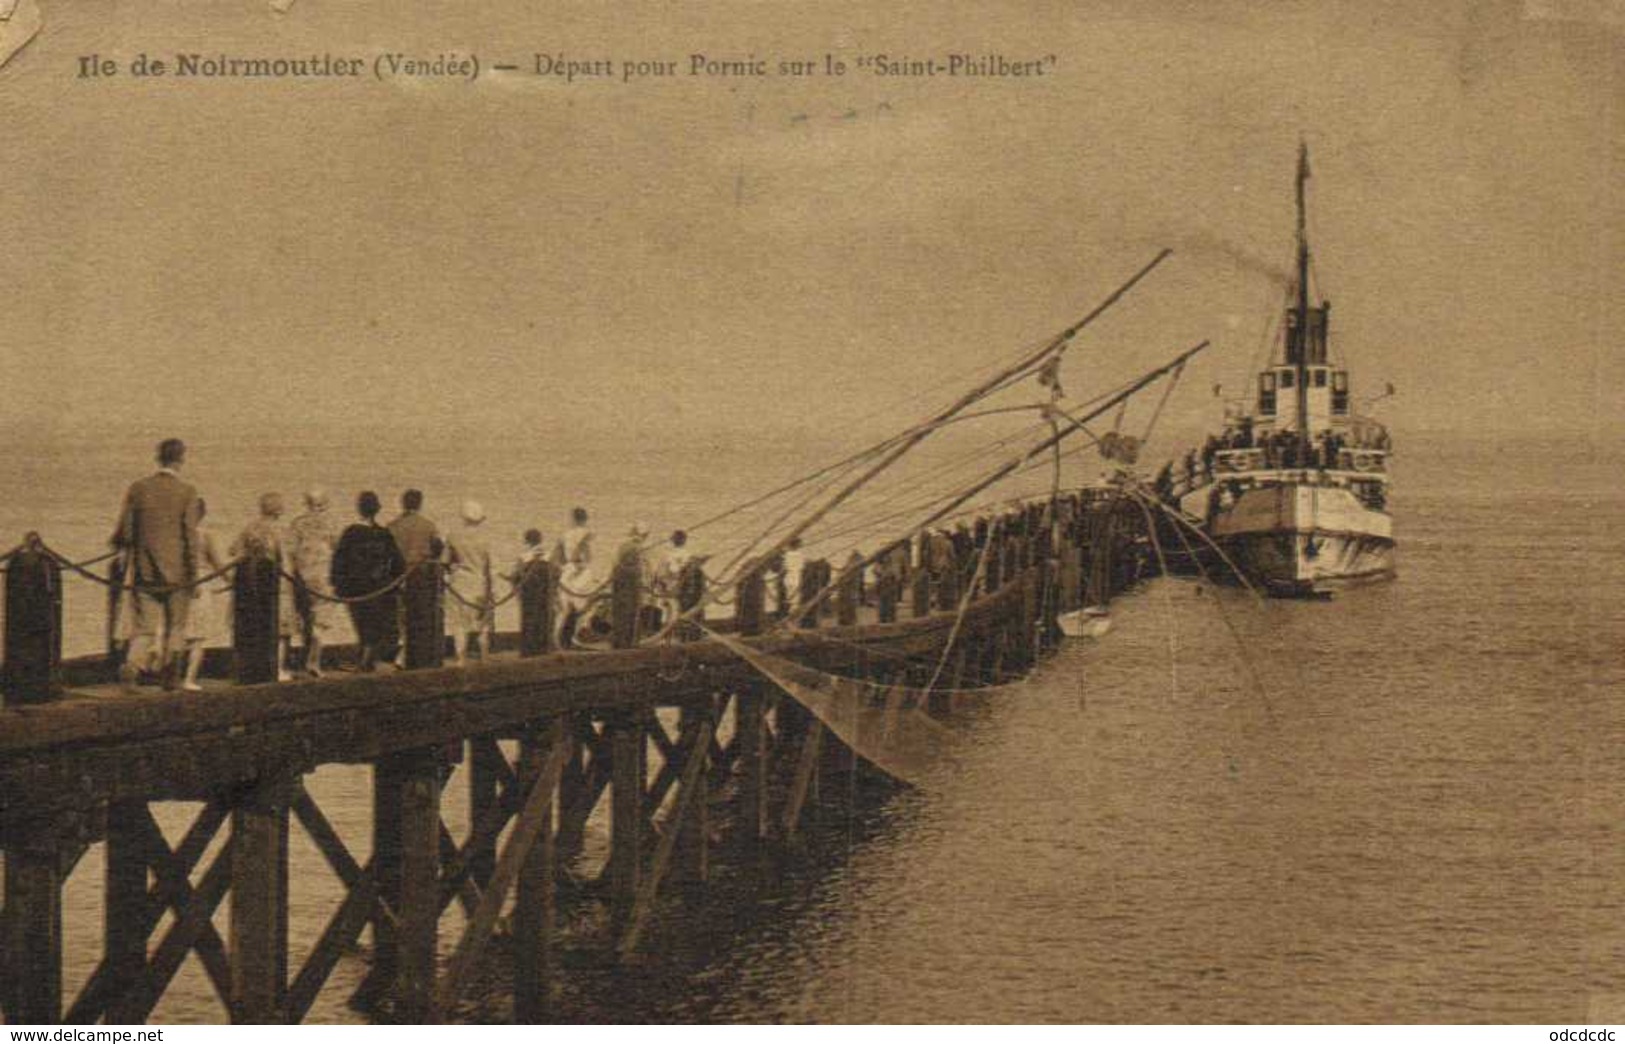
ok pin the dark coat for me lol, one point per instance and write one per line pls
(366, 560)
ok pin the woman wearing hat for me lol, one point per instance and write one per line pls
(469, 606)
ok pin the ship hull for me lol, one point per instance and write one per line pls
(1299, 539)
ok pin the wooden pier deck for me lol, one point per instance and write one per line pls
(544, 739)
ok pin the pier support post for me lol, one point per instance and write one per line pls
(846, 595)
(485, 769)
(386, 868)
(537, 588)
(625, 599)
(33, 926)
(888, 591)
(920, 592)
(947, 591)
(750, 599)
(33, 628)
(628, 755)
(811, 583)
(425, 627)
(255, 641)
(751, 736)
(690, 593)
(696, 726)
(124, 924)
(406, 831)
(259, 903)
(535, 911)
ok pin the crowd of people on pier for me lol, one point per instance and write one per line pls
(172, 570)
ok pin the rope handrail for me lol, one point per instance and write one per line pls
(323, 596)
(127, 582)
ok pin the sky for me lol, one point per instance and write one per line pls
(764, 254)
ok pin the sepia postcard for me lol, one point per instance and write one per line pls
(847, 513)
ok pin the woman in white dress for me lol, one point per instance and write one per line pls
(469, 610)
(577, 582)
(203, 618)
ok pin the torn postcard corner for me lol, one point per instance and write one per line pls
(20, 20)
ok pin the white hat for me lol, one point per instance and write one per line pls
(473, 513)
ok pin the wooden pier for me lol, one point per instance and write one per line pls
(685, 742)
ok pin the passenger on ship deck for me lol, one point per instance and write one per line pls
(312, 538)
(264, 538)
(365, 563)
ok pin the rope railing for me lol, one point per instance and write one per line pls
(301, 584)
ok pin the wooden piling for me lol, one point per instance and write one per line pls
(753, 761)
(846, 594)
(419, 912)
(625, 598)
(486, 768)
(690, 593)
(535, 912)
(386, 868)
(124, 921)
(692, 820)
(888, 590)
(255, 637)
(538, 590)
(920, 591)
(750, 598)
(258, 935)
(406, 853)
(425, 626)
(628, 767)
(33, 626)
(33, 926)
(801, 781)
(813, 579)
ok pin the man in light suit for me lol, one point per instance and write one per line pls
(157, 530)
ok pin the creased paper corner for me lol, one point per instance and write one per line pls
(20, 20)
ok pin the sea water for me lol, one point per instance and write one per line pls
(1403, 804)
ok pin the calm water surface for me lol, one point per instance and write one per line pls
(1401, 805)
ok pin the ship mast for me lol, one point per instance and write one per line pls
(1304, 336)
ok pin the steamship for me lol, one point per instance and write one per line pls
(1299, 481)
